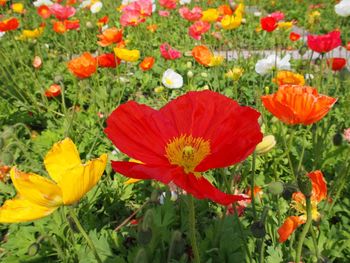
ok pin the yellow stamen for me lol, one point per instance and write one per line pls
(187, 152)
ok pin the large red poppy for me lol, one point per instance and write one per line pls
(294, 104)
(191, 134)
(324, 43)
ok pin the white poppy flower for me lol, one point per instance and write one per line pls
(172, 80)
(184, 2)
(343, 8)
(39, 3)
(96, 7)
(264, 66)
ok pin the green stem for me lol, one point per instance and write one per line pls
(252, 185)
(305, 229)
(287, 149)
(314, 239)
(262, 250)
(85, 235)
(192, 229)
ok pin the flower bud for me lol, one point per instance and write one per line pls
(337, 139)
(258, 229)
(189, 64)
(267, 89)
(303, 50)
(176, 246)
(33, 249)
(158, 89)
(89, 24)
(288, 191)
(189, 74)
(304, 185)
(275, 188)
(204, 74)
(266, 144)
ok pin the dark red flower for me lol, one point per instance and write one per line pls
(324, 43)
(268, 23)
(191, 134)
(294, 36)
(336, 64)
(108, 60)
(9, 24)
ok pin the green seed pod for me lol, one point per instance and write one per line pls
(303, 50)
(147, 221)
(305, 185)
(6, 158)
(33, 249)
(154, 196)
(275, 188)
(144, 236)
(141, 256)
(176, 246)
(288, 191)
(258, 229)
(337, 139)
(72, 224)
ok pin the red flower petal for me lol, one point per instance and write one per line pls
(140, 132)
(233, 131)
(163, 174)
(201, 189)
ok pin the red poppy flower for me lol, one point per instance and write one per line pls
(347, 46)
(9, 24)
(44, 11)
(336, 64)
(294, 36)
(59, 27)
(191, 134)
(72, 24)
(268, 23)
(147, 63)
(324, 43)
(53, 91)
(294, 104)
(108, 60)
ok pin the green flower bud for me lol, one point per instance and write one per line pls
(33, 249)
(288, 191)
(266, 144)
(337, 139)
(258, 229)
(275, 188)
(189, 64)
(190, 74)
(176, 246)
(305, 185)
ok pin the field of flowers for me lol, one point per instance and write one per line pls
(174, 131)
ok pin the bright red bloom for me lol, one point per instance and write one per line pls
(72, 24)
(294, 36)
(191, 134)
(108, 60)
(268, 23)
(336, 64)
(168, 4)
(44, 11)
(324, 43)
(9, 24)
(347, 46)
(294, 104)
(59, 27)
(168, 52)
(53, 91)
(147, 63)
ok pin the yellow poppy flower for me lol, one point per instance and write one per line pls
(17, 8)
(216, 61)
(126, 54)
(231, 22)
(38, 196)
(210, 15)
(285, 25)
(31, 34)
(287, 77)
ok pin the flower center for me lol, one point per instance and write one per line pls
(168, 81)
(187, 152)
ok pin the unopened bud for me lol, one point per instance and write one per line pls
(189, 64)
(304, 185)
(33, 249)
(158, 89)
(266, 144)
(337, 139)
(204, 74)
(258, 229)
(189, 74)
(141, 256)
(275, 188)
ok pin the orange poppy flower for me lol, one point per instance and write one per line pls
(287, 77)
(83, 66)
(53, 91)
(294, 104)
(319, 193)
(9, 24)
(147, 63)
(205, 57)
(152, 28)
(59, 27)
(110, 36)
(44, 11)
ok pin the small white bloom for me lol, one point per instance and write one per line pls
(309, 76)
(96, 7)
(85, 4)
(39, 3)
(264, 66)
(257, 13)
(172, 80)
(343, 8)
(2, 34)
(184, 2)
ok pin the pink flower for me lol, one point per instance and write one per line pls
(278, 15)
(143, 7)
(191, 15)
(168, 4)
(347, 134)
(62, 12)
(131, 18)
(168, 52)
(163, 13)
(198, 28)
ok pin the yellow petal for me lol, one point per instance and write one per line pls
(21, 210)
(132, 181)
(36, 189)
(63, 156)
(77, 181)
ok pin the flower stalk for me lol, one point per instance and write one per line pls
(192, 229)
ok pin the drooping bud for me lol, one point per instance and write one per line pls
(305, 185)
(266, 144)
(176, 246)
(33, 249)
(258, 229)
